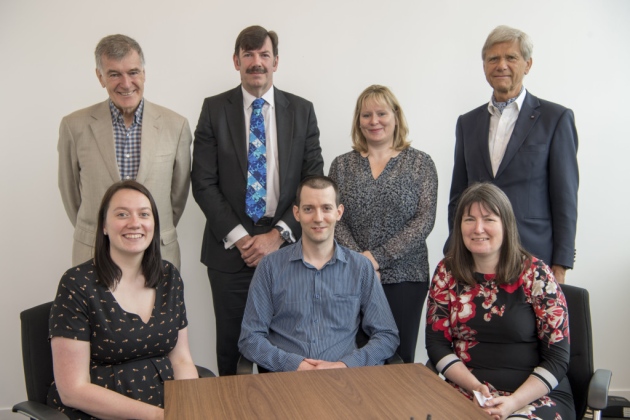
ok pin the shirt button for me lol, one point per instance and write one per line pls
(127, 177)
(316, 296)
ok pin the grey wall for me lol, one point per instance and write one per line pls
(427, 52)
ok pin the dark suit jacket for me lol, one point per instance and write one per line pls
(539, 174)
(219, 173)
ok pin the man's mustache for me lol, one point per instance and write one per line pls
(256, 70)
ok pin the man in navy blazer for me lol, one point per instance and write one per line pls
(526, 146)
(233, 242)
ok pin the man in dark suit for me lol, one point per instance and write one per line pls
(253, 145)
(527, 147)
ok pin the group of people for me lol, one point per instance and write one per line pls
(310, 271)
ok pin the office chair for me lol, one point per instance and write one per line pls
(38, 365)
(589, 387)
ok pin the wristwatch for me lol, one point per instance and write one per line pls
(284, 234)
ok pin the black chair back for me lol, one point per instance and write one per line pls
(581, 362)
(36, 352)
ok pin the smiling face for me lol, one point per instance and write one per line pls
(124, 81)
(129, 224)
(505, 69)
(377, 122)
(318, 214)
(257, 68)
(482, 232)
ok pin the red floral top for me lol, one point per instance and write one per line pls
(502, 333)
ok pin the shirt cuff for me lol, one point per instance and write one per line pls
(235, 234)
(293, 362)
(286, 227)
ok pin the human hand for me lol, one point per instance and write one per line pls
(306, 365)
(323, 364)
(499, 408)
(372, 260)
(559, 273)
(483, 390)
(258, 246)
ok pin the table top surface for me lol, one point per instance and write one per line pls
(405, 391)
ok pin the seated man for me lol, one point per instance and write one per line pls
(308, 300)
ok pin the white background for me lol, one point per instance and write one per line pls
(427, 52)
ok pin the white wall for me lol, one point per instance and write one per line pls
(428, 52)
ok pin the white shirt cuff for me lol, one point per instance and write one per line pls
(235, 234)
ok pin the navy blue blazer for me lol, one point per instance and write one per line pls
(219, 169)
(539, 174)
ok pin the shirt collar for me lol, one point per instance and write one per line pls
(298, 254)
(248, 98)
(117, 115)
(518, 101)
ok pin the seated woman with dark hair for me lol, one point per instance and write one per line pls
(497, 320)
(118, 322)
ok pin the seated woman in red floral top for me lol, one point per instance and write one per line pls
(497, 321)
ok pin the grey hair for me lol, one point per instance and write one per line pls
(116, 47)
(507, 34)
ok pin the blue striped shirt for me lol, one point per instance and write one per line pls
(295, 311)
(127, 141)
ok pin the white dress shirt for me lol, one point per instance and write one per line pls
(501, 128)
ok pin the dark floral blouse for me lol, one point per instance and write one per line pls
(127, 355)
(504, 334)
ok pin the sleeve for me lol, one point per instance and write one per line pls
(563, 189)
(220, 216)
(68, 172)
(416, 230)
(343, 235)
(180, 184)
(254, 343)
(459, 180)
(377, 322)
(312, 161)
(552, 325)
(69, 315)
(438, 333)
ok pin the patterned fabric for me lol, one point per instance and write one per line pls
(126, 355)
(390, 216)
(256, 195)
(500, 106)
(295, 311)
(127, 141)
(504, 334)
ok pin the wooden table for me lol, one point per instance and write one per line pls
(377, 392)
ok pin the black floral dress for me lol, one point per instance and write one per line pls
(504, 334)
(127, 355)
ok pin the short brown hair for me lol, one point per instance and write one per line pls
(253, 38)
(317, 182)
(383, 95)
(459, 260)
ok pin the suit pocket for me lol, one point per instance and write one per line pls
(168, 236)
(84, 236)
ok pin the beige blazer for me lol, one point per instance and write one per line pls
(87, 167)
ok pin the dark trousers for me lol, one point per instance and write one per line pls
(229, 295)
(406, 300)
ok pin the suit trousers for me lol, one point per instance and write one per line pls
(229, 296)
(406, 300)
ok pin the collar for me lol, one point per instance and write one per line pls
(494, 110)
(248, 98)
(117, 115)
(297, 253)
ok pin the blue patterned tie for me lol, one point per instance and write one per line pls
(256, 195)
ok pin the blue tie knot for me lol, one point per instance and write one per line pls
(258, 103)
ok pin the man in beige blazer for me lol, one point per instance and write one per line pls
(125, 137)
